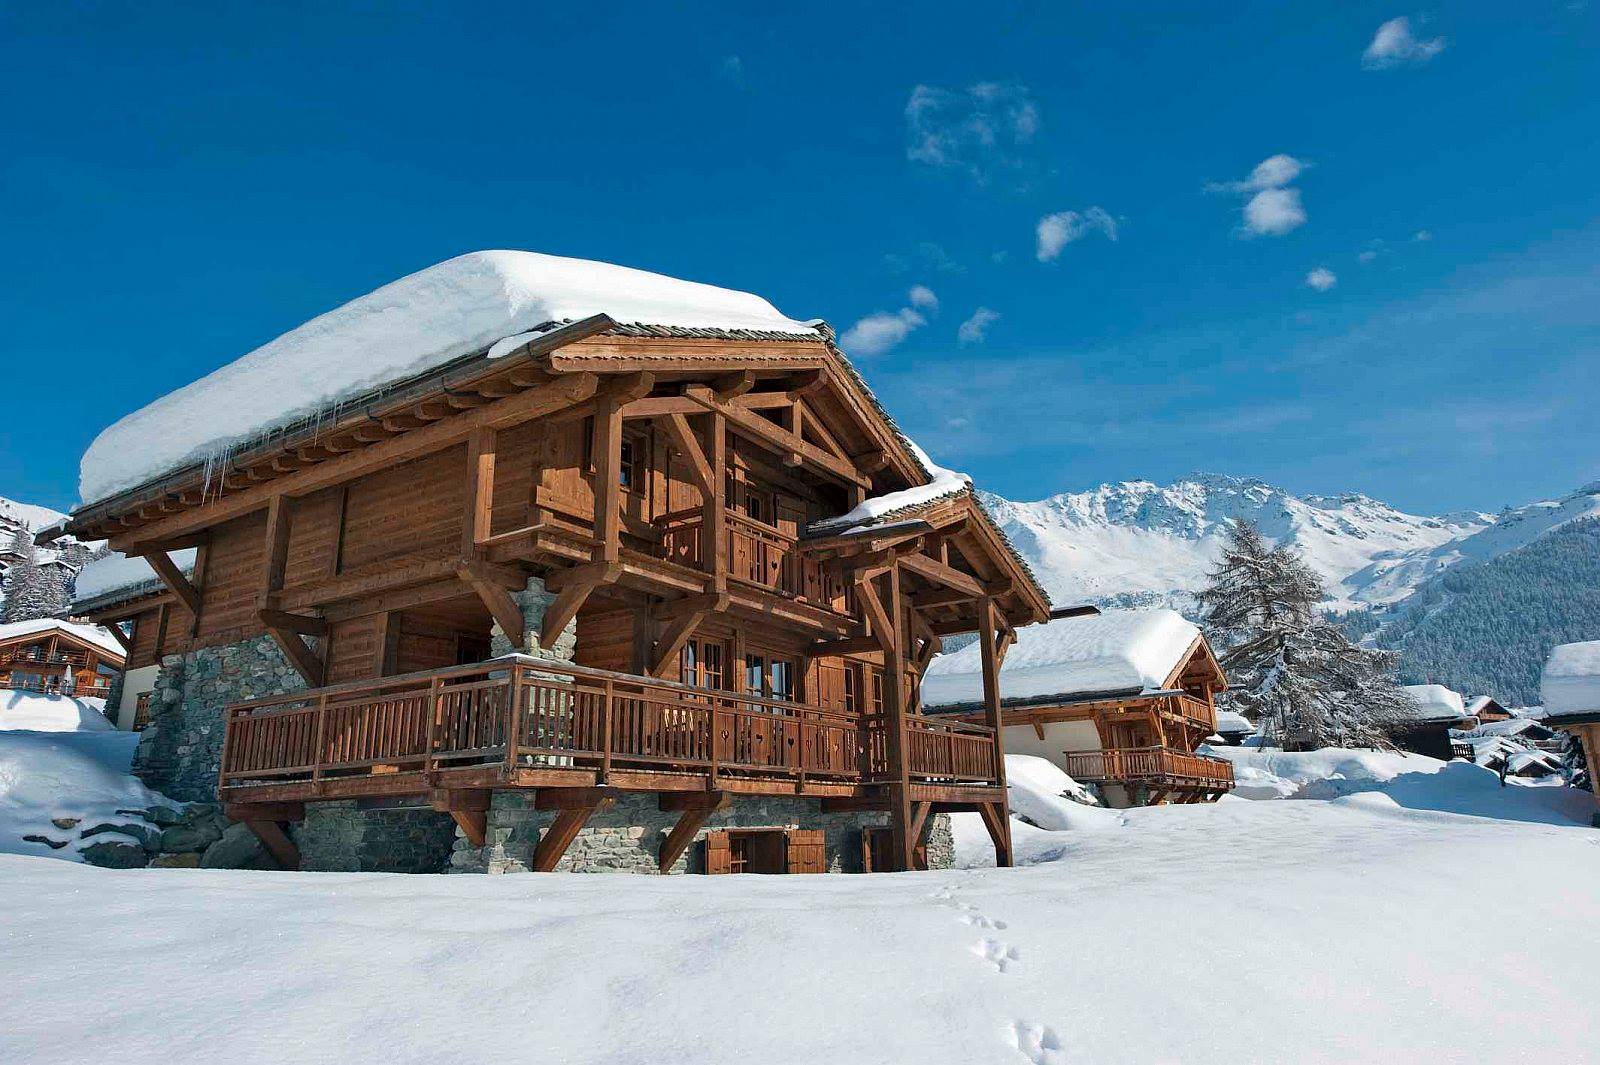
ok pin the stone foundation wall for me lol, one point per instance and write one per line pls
(180, 753)
(627, 837)
(343, 837)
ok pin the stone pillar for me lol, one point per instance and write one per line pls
(180, 753)
(395, 837)
(535, 599)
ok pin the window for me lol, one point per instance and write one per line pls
(769, 676)
(630, 467)
(700, 664)
(852, 689)
(877, 688)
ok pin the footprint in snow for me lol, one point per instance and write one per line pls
(978, 920)
(1039, 1043)
(1001, 955)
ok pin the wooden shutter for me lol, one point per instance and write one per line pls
(719, 859)
(807, 852)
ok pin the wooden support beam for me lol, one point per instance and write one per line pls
(682, 439)
(304, 660)
(300, 623)
(734, 384)
(467, 807)
(559, 836)
(264, 811)
(688, 826)
(1001, 831)
(854, 803)
(171, 576)
(882, 627)
(504, 609)
(890, 610)
(774, 436)
(475, 524)
(277, 549)
(115, 628)
(575, 588)
(282, 849)
(852, 645)
(677, 634)
(714, 513)
(996, 820)
(606, 450)
(931, 569)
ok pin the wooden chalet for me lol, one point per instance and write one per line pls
(1569, 686)
(1121, 699)
(58, 658)
(606, 562)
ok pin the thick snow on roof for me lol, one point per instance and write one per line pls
(1571, 683)
(1232, 721)
(1435, 702)
(1117, 651)
(406, 327)
(92, 634)
(941, 483)
(116, 572)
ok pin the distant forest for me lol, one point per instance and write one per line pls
(1486, 628)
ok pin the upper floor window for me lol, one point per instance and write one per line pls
(700, 664)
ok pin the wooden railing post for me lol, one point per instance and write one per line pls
(608, 710)
(435, 723)
(515, 691)
(320, 754)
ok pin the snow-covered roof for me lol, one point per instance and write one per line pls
(90, 634)
(1514, 726)
(422, 321)
(102, 578)
(942, 483)
(1480, 703)
(1435, 702)
(1113, 653)
(1571, 682)
(1232, 721)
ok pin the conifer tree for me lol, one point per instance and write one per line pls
(34, 591)
(1290, 669)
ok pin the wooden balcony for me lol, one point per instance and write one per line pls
(1154, 767)
(758, 555)
(523, 722)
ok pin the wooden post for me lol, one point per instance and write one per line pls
(606, 450)
(1000, 827)
(277, 549)
(480, 490)
(894, 705)
(714, 520)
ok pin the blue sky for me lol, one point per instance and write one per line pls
(1140, 196)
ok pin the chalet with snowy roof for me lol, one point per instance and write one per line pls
(1570, 687)
(1485, 708)
(59, 658)
(1121, 699)
(1436, 710)
(522, 553)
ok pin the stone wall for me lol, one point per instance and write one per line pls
(401, 837)
(628, 836)
(180, 753)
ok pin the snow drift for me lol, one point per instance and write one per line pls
(408, 326)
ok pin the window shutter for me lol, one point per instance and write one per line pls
(719, 859)
(806, 851)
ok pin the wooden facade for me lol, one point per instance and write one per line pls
(57, 660)
(661, 483)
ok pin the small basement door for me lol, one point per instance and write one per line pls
(765, 850)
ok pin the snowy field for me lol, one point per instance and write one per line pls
(1366, 927)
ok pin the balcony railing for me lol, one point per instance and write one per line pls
(55, 685)
(521, 712)
(36, 655)
(1149, 765)
(759, 555)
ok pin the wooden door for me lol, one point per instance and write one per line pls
(806, 851)
(719, 856)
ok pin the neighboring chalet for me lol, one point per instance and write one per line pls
(1570, 688)
(560, 565)
(1120, 699)
(125, 593)
(1437, 711)
(59, 658)
(1486, 709)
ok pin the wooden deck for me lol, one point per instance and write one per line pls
(1163, 770)
(520, 722)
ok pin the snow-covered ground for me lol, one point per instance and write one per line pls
(1303, 930)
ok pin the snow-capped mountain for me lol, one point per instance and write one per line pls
(1136, 542)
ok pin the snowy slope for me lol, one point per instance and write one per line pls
(29, 514)
(1296, 931)
(1136, 542)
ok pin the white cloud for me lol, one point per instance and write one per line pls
(1422, 236)
(733, 69)
(1056, 231)
(1366, 257)
(926, 255)
(975, 330)
(922, 296)
(980, 130)
(1394, 45)
(877, 333)
(1273, 212)
(1321, 279)
(1273, 208)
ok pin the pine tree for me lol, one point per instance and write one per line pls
(1289, 668)
(34, 591)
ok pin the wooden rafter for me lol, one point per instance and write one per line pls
(684, 443)
(305, 661)
(563, 830)
(775, 436)
(575, 586)
(467, 807)
(173, 577)
(697, 808)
